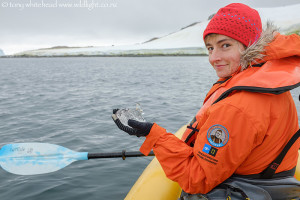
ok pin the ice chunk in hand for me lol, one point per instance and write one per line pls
(125, 114)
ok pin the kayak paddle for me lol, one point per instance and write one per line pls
(40, 158)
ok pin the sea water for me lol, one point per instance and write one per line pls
(69, 102)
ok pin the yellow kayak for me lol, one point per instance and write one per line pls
(153, 183)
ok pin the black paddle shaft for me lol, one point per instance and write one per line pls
(122, 154)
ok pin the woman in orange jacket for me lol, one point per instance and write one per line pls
(242, 142)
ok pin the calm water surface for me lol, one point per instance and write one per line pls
(68, 101)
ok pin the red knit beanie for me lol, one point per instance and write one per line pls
(237, 21)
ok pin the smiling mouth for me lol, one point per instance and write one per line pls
(219, 66)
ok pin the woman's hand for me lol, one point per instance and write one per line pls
(135, 127)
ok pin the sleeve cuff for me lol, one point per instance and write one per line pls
(155, 133)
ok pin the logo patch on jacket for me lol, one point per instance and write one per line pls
(210, 150)
(217, 135)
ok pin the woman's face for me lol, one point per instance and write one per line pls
(224, 54)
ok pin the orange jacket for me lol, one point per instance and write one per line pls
(242, 133)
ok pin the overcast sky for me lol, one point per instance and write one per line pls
(31, 24)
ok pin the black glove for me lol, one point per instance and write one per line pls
(135, 127)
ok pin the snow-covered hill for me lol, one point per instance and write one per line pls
(187, 41)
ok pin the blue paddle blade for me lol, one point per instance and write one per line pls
(37, 158)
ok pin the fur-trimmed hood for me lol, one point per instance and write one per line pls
(255, 53)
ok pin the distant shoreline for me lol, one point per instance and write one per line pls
(153, 55)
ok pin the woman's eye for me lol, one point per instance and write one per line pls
(210, 48)
(226, 45)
